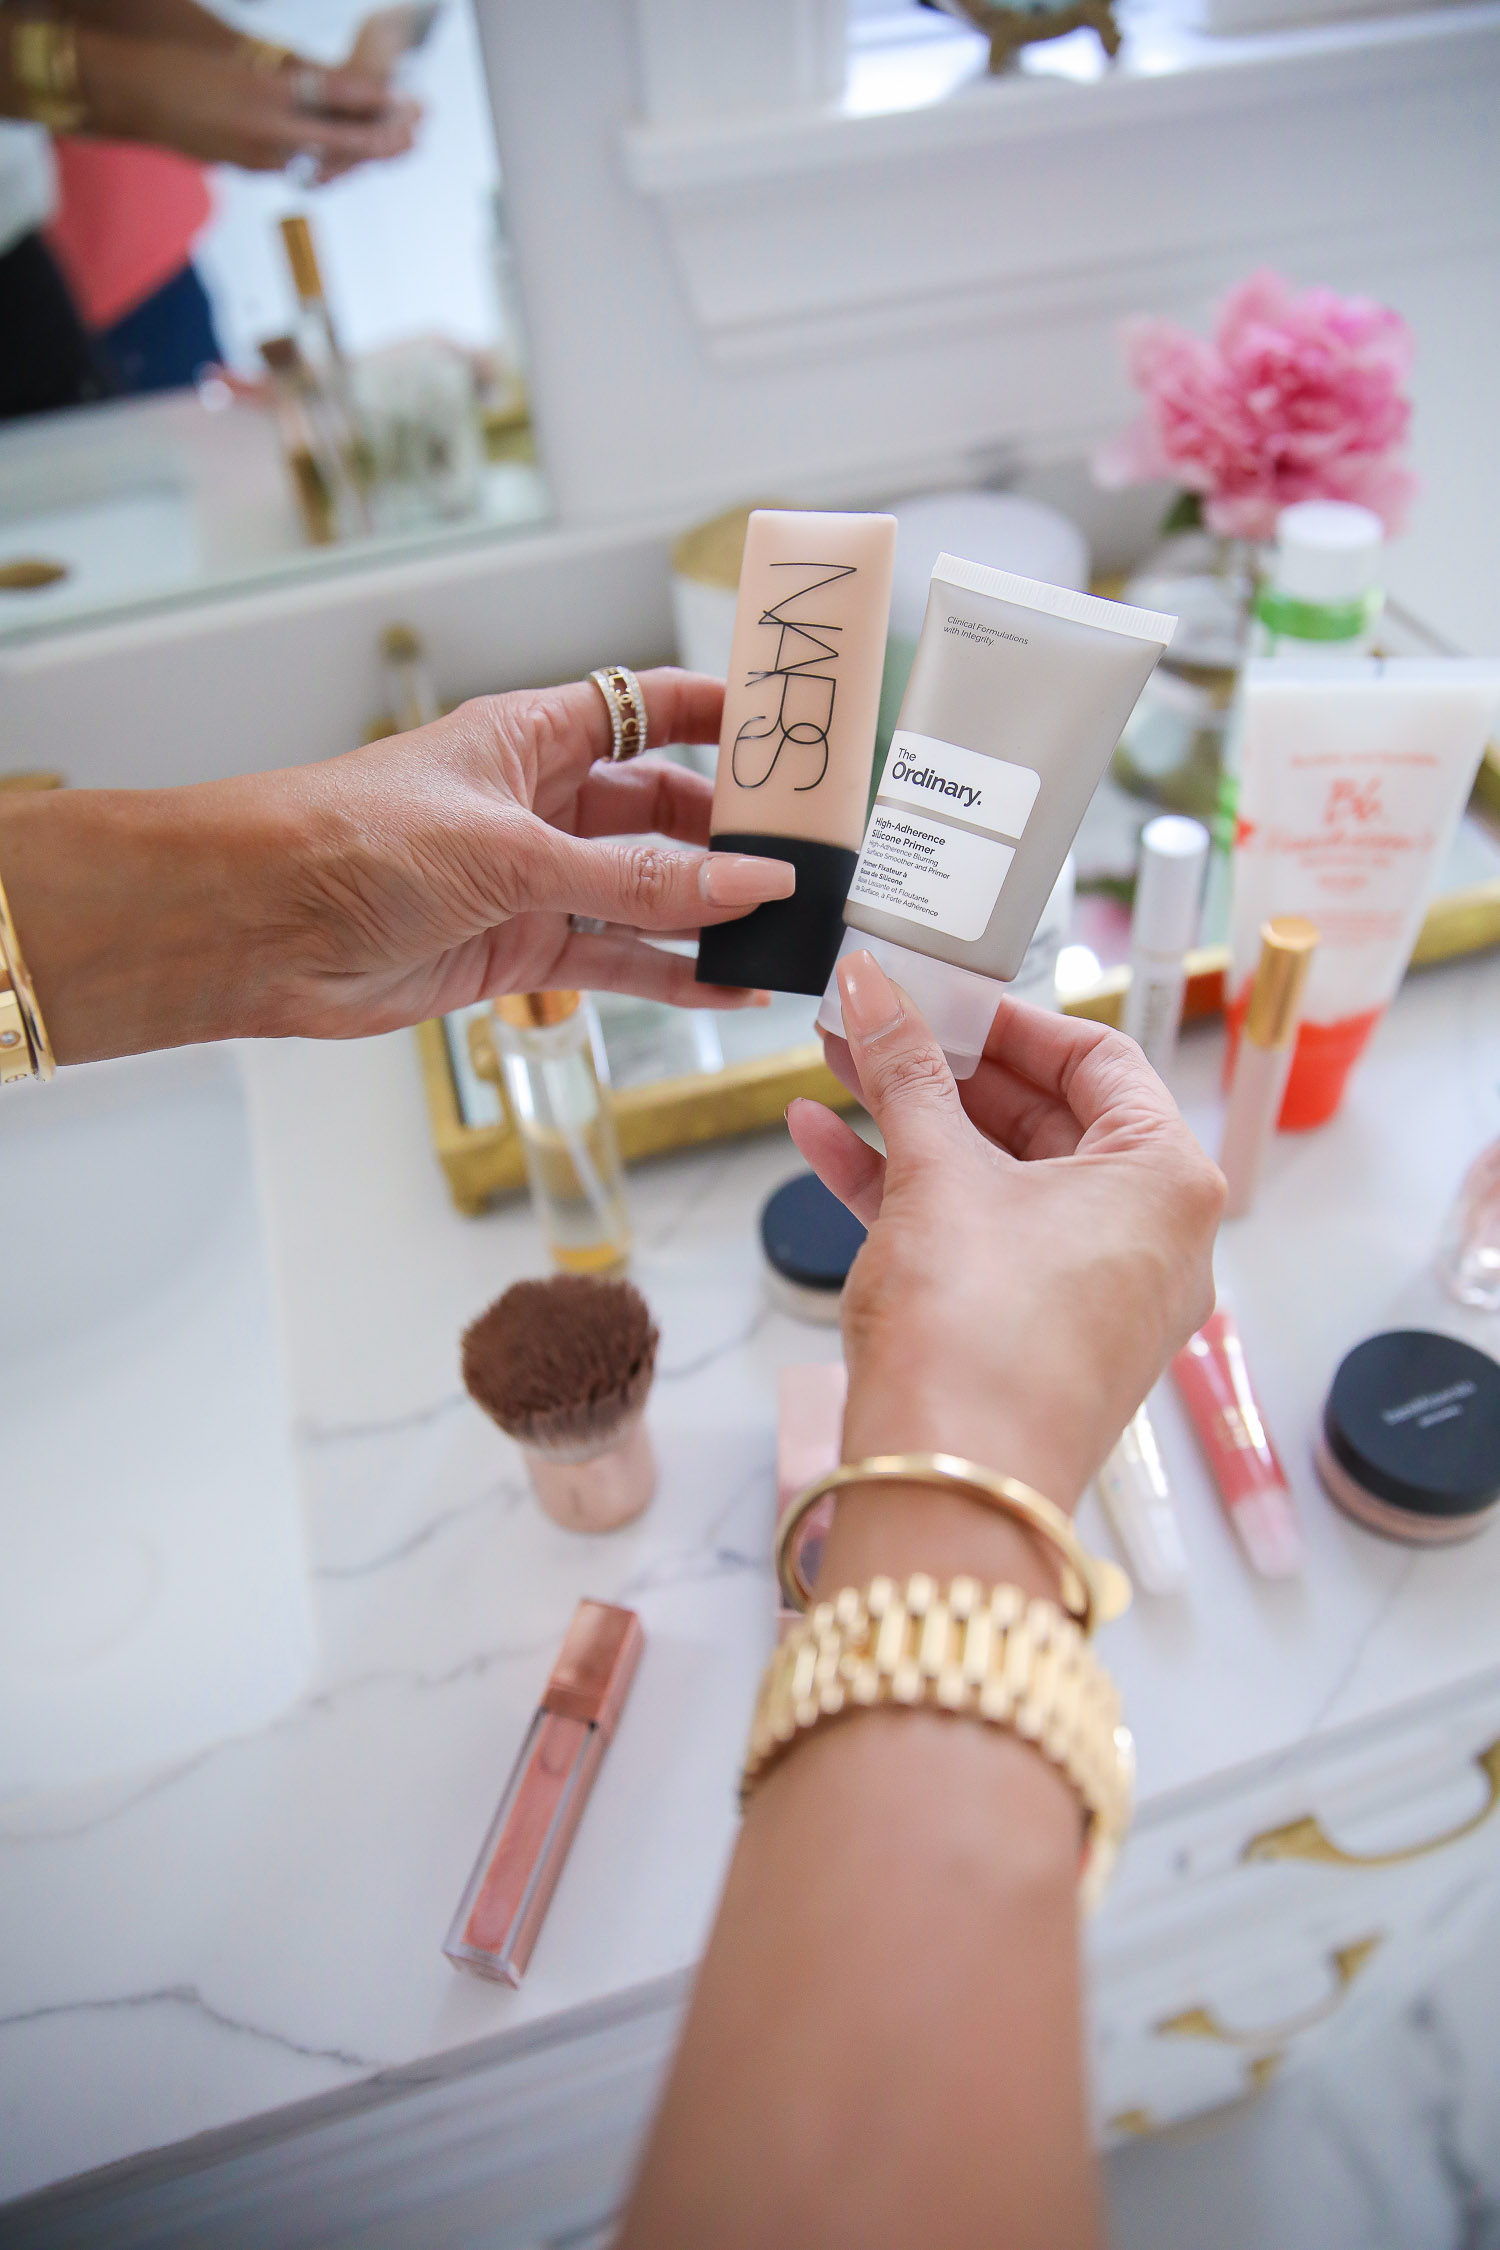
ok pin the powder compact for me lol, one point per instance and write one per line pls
(1410, 1444)
(810, 1242)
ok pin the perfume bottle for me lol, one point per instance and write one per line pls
(1468, 1260)
(317, 340)
(552, 1062)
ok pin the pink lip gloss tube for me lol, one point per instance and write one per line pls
(1214, 1384)
(507, 1896)
(1264, 1062)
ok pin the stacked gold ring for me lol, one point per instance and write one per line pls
(25, 1049)
(626, 706)
(44, 69)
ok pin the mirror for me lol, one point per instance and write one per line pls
(342, 364)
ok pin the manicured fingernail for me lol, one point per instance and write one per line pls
(872, 1005)
(733, 879)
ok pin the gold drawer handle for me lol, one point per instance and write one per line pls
(1344, 1965)
(1307, 1839)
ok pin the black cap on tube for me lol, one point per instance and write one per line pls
(789, 944)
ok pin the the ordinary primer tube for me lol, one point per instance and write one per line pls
(798, 739)
(1017, 698)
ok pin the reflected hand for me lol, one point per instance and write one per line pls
(217, 108)
(374, 890)
(1040, 1237)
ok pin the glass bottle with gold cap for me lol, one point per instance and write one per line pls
(317, 341)
(550, 1056)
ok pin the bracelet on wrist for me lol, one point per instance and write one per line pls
(1094, 1590)
(985, 1653)
(44, 67)
(25, 1049)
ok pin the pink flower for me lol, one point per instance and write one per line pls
(1296, 397)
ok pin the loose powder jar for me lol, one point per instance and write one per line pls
(1410, 1444)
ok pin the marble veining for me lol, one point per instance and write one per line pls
(190, 1948)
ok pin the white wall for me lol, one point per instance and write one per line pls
(671, 376)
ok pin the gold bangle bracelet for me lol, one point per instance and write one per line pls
(1094, 1590)
(25, 1049)
(987, 1653)
(44, 65)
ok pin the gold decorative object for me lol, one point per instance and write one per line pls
(1307, 1839)
(29, 572)
(1010, 29)
(1344, 1965)
(984, 1653)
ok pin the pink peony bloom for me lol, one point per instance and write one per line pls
(1296, 397)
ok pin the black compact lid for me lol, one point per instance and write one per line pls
(1414, 1417)
(808, 1236)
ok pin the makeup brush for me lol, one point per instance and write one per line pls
(564, 1366)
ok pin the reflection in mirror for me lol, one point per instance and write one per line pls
(213, 371)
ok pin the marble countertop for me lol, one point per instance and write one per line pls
(194, 1947)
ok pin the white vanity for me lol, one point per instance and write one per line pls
(224, 2014)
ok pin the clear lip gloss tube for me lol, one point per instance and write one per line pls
(1264, 1062)
(506, 1899)
(1169, 890)
(1138, 1501)
(1214, 1384)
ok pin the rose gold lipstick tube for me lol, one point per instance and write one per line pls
(1214, 1384)
(507, 1896)
(1261, 1069)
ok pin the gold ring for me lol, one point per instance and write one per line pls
(1094, 1590)
(626, 706)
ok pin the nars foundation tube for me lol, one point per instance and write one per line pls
(1264, 1061)
(1017, 696)
(1214, 1384)
(1353, 778)
(507, 1896)
(798, 739)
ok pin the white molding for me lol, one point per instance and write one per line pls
(830, 233)
(712, 59)
(1344, 58)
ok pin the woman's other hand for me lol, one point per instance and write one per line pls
(1040, 1238)
(383, 887)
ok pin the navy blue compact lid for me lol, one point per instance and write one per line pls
(808, 1236)
(1414, 1417)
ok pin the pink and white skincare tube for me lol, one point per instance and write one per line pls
(1264, 1061)
(1214, 1385)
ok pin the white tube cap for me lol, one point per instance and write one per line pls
(1169, 887)
(958, 1004)
(1327, 551)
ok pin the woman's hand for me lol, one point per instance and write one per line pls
(1040, 1244)
(220, 109)
(380, 888)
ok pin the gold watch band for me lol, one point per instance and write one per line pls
(986, 1653)
(25, 1049)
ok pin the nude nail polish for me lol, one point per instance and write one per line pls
(872, 1004)
(729, 880)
